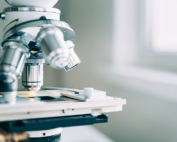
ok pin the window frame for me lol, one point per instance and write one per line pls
(148, 57)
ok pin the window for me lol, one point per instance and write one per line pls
(145, 33)
(161, 25)
(145, 46)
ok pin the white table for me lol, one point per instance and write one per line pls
(83, 134)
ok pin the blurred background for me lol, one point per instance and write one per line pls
(128, 48)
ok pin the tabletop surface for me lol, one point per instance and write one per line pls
(83, 134)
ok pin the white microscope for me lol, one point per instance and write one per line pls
(32, 35)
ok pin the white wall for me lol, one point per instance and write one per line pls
(92, 23)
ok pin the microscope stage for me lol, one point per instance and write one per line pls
(50, 103)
